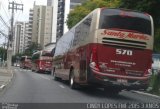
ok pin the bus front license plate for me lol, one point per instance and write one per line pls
(122, 81)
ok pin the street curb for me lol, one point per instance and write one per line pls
(148, 94)
(7, 82)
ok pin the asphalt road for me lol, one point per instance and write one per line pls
(31, 87)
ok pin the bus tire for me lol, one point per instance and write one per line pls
(72, 83)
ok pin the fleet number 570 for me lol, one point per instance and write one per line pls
(124, 52)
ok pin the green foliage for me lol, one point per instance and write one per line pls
(81, 11)
(16, 57)
(32, 48)
(155, 84)
(3, 53)
(76, 15)
(157, 40)
(93, 4)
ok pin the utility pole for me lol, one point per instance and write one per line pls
(13, 6)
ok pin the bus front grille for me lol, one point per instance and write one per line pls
(124, 43)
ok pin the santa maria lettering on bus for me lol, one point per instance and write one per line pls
(124, 35)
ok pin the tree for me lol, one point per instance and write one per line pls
(3, 53)
(80, 12)
(76, 15)
(32, 48)
(16, 57)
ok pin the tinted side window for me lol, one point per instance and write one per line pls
(64, 43)
(82, 31)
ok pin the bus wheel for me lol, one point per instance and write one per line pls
(72, 83)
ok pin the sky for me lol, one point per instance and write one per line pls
(19, 15)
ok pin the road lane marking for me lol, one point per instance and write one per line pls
(148, 94)
(61, 86)
(44, 77)
(2, 86)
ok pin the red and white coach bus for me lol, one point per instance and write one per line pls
(110, 48)
(42, 61)
(25, 62)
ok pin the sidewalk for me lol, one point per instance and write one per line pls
(5, 77)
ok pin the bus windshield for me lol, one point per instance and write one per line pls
(46, 54)
(125, 20)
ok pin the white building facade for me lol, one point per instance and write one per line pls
(27, 37)
(30, 26)
(41, 26)
(18, 45)
(21, 39)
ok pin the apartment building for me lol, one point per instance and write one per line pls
(49, 2)
(18, 41)
(21, 38)
(30, 26)
(27, 36)
(41, 26)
